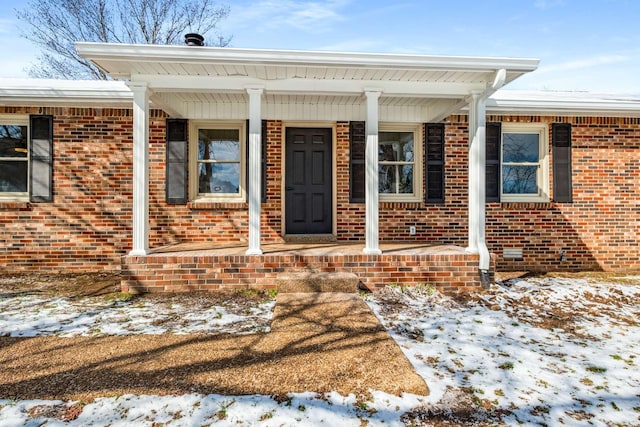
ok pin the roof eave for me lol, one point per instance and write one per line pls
(217, 55)
(64, 92)
(562, 104)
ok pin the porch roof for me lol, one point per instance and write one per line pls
(183, 79)
(166, 67)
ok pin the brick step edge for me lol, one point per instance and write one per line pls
(317, 282)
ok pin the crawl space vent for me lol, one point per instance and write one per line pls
(512, 253)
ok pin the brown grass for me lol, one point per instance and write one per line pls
(318, 342)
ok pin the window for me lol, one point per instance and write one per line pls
(14, 157)
(399, 176)
(219, 168)
(524, 163)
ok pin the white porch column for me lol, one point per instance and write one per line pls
(140, 168)
(477, 180)
(255, 170)
(371, 174)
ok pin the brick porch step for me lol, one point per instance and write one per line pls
(317, 282)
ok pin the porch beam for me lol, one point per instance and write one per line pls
(141, 95)
(162, 83)
(159, 102)
(445, 108)
(255, 175)
(371, 174)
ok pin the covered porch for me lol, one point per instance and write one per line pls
(311, 90)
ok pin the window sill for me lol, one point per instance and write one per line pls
(218, 205)
(526, 205)
(400, 204)
(11, 205)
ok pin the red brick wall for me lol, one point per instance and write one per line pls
(600, 229)
(88, 225)
(434, 223)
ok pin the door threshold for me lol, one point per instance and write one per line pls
(309, 238)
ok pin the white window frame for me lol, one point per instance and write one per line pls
(194, 127)
(418, 161)
(19, 120)
(542, 130)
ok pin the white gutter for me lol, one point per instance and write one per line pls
(485, 258)
(63, 92)
(477, 176)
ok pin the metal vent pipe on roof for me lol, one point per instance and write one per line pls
(193, 39)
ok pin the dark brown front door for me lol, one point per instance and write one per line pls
(308, 181)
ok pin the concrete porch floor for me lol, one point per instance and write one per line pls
(313, 249)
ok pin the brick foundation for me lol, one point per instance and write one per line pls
(450, 273)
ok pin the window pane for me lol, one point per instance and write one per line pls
(219, 144)
(395, 147)
(219, 178)
(520, 179)
(13, 176)
(386, 179)
(406, 179)
(395, 179)
(520, 148)
(13, 141)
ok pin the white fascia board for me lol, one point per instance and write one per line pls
(563, 103)
(217, 55)
(307, 86)
(57, 92)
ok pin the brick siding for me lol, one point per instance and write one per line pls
(88, 224)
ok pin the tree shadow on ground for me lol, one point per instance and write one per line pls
(319, 344)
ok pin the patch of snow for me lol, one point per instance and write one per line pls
(28, 316)
(529, 373)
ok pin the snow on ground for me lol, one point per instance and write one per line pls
(25, 315)
(540, 351)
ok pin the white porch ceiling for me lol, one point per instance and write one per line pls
(223, 105)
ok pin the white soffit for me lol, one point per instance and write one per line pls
(560, 103)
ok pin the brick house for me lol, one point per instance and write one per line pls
(217, 167)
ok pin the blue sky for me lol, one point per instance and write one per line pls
(584, 45)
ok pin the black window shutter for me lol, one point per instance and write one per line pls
(561, 140)
(434, 144)
(177, 171)
(263, 162)
(357, 143)
(41, 158)
(493, 138)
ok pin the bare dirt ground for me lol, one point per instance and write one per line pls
(61, 285)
